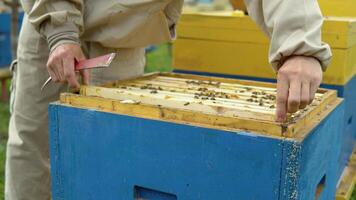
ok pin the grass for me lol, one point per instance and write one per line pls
(4, 119)
(157, 60)
(160, 59)
(4, 122)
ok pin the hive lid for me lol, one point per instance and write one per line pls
(205, 101)
(339, 32)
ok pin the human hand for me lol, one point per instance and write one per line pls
(61, 63)
(297, 82)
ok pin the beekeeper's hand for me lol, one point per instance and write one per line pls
(297, 82)
(61, 62)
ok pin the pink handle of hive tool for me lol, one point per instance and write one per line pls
(97, 62)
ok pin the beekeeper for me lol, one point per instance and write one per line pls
(55, 33)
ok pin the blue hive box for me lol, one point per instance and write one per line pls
(347, 91)
(5, 38)
(186, 137)
(229, 44)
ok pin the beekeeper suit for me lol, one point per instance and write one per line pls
(52, 29)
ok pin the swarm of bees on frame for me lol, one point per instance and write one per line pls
(202, 92)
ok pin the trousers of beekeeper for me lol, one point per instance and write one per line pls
(126, 27)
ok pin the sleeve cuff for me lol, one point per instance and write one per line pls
(321, 53)
(66, 33)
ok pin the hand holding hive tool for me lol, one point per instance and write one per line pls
(98, 62)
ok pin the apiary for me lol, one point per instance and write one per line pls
(173, 136)
(230, 44)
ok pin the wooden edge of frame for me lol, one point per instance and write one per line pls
(348, 180)
(304, 124)
(171, 115)
(310, 119)
(185, 116)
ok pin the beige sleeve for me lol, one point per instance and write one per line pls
(173, 12)
(294, 28)
(59, 21)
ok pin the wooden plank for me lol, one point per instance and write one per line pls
(338, 8)
(5, 73)
(310, 119)
(225, 26)
(251, 60)
(347, 184)
(171, 115)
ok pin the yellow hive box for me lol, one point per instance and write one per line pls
(229, 43)
(338, 7)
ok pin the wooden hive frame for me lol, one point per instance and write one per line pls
(228, 104)
(348, 179)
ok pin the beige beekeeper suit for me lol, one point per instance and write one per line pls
(124, 26)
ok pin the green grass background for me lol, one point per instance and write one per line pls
(157, 60)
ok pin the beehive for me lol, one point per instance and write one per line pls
(231, 45)
(172, 136)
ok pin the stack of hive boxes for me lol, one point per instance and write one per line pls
(230, 44)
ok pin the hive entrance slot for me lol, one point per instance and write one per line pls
(349, 121)
(141, 193)
(320, 187)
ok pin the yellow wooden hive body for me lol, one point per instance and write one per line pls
(231, 43)
(203, 101)
(338, 7)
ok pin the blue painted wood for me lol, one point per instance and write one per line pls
(348, 92)
(349, 136)
(309, 161)
(5, 38)
(105, 156)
